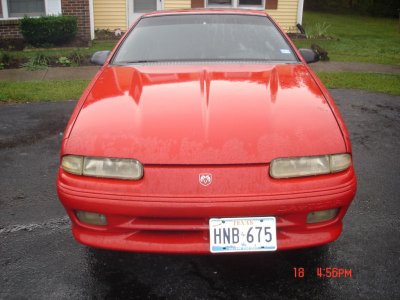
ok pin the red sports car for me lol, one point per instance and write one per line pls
(206, 131)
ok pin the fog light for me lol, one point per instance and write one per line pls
(91, 218)
(322, 215)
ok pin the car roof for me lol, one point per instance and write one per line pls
(206, 11)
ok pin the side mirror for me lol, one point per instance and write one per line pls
(309, 55)
(99, 57)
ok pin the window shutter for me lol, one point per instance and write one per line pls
(197, 3)
(270, 4)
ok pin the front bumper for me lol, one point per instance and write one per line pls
(179, 223)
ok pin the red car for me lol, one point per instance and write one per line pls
(206, 131)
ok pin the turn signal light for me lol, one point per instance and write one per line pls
(91, 218)
(322, 215)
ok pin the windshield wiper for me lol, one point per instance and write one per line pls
(149, 61)
(144, 61)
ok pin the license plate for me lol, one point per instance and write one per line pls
(242, 234)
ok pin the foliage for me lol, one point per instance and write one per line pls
(387, 8)
(357, 38)
(64, 61)
(38, 62)
(317, 30)
(1, 66)
(77, 57)
(12, 44)
(107, 34)
(49, 30)
(6, 58)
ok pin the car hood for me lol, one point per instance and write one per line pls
(208, 114)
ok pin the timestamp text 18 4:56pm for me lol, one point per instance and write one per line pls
(325, 272)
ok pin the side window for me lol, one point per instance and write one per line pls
(20, 8)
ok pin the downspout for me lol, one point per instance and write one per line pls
(91, 17)
(300, 12)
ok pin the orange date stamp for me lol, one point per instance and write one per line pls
(327, 272)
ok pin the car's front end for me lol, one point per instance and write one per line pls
(174, 217)
(206, 156)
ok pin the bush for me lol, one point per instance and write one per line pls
(9, 60)
(317, 30)
(50, 30)
(6, 58)
(64, 61)
(37, 62)
(12, 44)
(77, 58)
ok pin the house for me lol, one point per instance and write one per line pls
(120, 14)
(12, 10)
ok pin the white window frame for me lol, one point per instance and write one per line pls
(4, 5)
(6, 16)
(235, 4)
(131, 15)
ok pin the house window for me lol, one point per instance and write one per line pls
(20, 8)
(236, 3)
(220, 2)
(250, 2)
(143, 6)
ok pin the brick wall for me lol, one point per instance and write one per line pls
(80, 9)
(9, 29)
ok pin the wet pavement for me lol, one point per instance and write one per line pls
(40, 260)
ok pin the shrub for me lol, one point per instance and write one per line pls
(64, 61)
(9, 60)
(37, 62)
(6, 58)
(12, 44)
(317, 30)
(76, 57)
(56, 30)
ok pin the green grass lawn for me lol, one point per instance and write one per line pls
(56, 90)
(356, 38)
(372, 82)
(32, 91)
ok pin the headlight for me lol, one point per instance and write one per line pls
(309, 166)
(120, 168)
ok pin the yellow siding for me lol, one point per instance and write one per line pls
(286, 14)
(177, 4)
(109, 14)
(112, 14)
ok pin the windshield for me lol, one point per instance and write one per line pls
(204, 37)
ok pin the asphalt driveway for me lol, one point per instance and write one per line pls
(39, 258)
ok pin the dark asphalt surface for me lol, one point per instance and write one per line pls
(40, 260)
